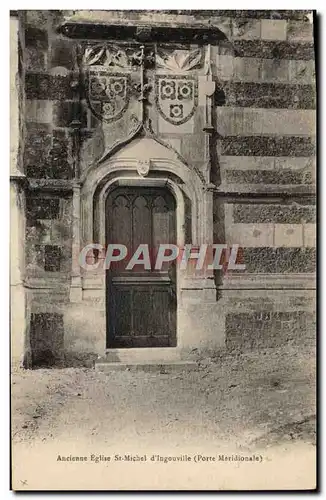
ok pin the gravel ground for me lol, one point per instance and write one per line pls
(244, 403)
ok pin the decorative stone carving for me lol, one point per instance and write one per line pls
(143, 167)
(106, 56)
(209, 89)
(176, 97)
(112, 56)
(107, 93)
(179, 60)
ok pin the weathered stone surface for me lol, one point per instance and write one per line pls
(284, 177)
(44, 86)
(302, 71)
(273, 29)
(299, 32)
(288, 235)
(269, 329)
(42, 208)
(165, 127)
(38, 232)
(274, 213)
(255, 69)
(279, 260)
(52, 258)
(36, 37)
(225, 66)
(248, 162)
(269, 95)
(275, 70)
(250, 235)
(38, 111)
(264, 14)
(273, 50)
(297, 163)
(267, 146)
(63, 114)
(35, 59)
(46, 154)
(193, 147)
(62, 54)
(248, 121)
(47, 334)
(246, 29)
(309, 235)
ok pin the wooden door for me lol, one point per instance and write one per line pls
(141, 303)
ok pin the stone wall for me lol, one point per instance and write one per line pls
(262, 177)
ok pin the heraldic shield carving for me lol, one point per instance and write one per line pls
(176, 97)
(108, 93)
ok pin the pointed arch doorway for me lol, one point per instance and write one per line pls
(141, 300)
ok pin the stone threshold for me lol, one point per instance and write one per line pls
(162, 359)
(155, 366)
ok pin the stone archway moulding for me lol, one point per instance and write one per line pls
(165, 168)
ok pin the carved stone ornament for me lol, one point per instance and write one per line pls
(106, 56)
(107, 93)
(179, 60)
(143, 167)
(176, 97)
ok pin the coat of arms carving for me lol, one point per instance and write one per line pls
(108, 93)
(176, 97)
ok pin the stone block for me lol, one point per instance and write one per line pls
(39, 233)
(35, 59)
(247, 162)
(269, 95)
(288, 235)
(52, 258)
(45, 86)
(36, 37)
(293, 122)
(250, 235)
(272, 29)
(61, 54)
(63, 114)
(302, 72)
(246, 69)
(225, 66)
(288, 163)
(274, 213)
(274, 70)
(34, 257)
(273, 49)
(309, 235)
(61, 232)
(246, 29)
(246, 331)
(300, 31)
(201, 324)
(267, 146)
(38, 111)
(37, 18)
(281, 177)
(279, 260)
(47, 338)
(85, 328)
(42, 208)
